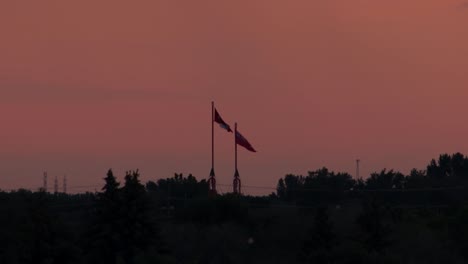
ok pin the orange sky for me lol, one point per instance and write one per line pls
(92, 84)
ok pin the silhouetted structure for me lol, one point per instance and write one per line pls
(212, 179)
(215, 117)
(44, 183)
(56, 185)
(357, 169)
(236, 184)
(65, 184)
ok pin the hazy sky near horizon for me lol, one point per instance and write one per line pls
(92, 84)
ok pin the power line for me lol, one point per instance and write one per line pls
(98, 187)
(251, 186)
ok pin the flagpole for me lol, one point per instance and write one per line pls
(212, 136)
(212, 180)
(235, 146)
(236, 184)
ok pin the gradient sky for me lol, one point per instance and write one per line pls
(90, 85)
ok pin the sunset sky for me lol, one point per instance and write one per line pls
(90, 85)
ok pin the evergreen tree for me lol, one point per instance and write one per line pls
(319, 244)
(139, 233)
(377, 231)
(105, 241)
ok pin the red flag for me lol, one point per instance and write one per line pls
(221, 122)
(240, 140)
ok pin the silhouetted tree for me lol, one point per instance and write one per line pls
(318, 245)
(179, 187)
(385, 180)
(111, 187)
(416, 179)
(139, 232)
(281, 189)
(448, 170)
(294, 186)
(459, 231)
(424, 210)
(105, 241)
(328, 180)
(372, 221)
(320, 186)
(32, 232)
(125, 229)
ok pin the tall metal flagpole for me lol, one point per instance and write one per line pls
(236, 184)
(212, 137)
(235, 146)
(212, 180)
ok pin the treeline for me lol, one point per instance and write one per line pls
(117, 225)
(443, 181)
(123, 223)
(323, 217)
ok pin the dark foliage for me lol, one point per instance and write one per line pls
(124, 227)
(323, 217)
(320, 241)
(373, 221)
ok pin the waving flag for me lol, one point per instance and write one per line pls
(240, 140)
(221, 122)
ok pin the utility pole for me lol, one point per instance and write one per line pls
(357, 169)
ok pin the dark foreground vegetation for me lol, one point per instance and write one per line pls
(323, 217)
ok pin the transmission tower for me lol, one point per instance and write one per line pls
(65, 183)
(45, 181)
(56, 185)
